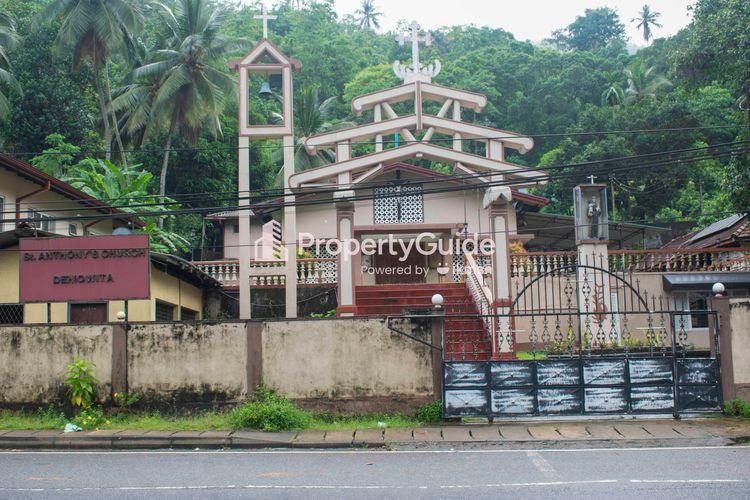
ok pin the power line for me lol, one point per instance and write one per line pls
(389, 142)
(276, 192)
(462, 187)
(571, 226)
(281, 204)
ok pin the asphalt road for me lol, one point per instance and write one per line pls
(707, 472)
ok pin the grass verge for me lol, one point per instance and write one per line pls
(267, 412)
(199, 421)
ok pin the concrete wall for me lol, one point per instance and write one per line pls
(33, 360)
(187, 362)
(336, 363)
(739, 320)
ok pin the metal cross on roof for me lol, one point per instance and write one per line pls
(417, 71)
(265, 17)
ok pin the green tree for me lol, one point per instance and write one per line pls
(8, 40)
(311, 117)
(128, 189)
(58, 158)
(369, 79)
(644, 82)
(94, 30)
(647, 19)
(596, 29)
(716, 44)
(613, 95)
(54, 99)
(190, 89)
(368, 15)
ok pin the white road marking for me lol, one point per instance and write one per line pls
(375, 486)
(687, 481)
(316, 486)
(284, 451)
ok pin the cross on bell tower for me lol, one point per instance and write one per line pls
(265, 17)
(416, 72)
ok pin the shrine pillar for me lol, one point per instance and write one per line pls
(596, 302)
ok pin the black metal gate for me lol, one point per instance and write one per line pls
(582, 339)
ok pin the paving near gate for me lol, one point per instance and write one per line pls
(539, 433)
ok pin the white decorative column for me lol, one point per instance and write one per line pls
(500, 231)
(290, 230)
(246, 249)
(499, 209)
(345, 263)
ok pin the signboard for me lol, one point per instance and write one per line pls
(88, 268)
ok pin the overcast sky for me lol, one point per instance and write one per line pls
(526, 19)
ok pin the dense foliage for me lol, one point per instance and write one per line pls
(582, 80)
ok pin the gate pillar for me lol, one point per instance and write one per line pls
(502, 226)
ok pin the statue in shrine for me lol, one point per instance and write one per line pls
(594, 211)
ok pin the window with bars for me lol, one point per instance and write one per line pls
(398, 205)
(11, 314)
(41, 221)
(2, 209)
(188, 314)
(164, 311)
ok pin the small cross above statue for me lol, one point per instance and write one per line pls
(265, 17)
(591, 178)
(416, 71)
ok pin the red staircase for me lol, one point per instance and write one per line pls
(465, 335)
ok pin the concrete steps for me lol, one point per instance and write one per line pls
(465, 336)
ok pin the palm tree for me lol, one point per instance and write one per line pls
(613, 95)
(368, 15)
(644, 82)
(310, 118)
(93, 30)
(8, 39)
(647, 20)
(181, 88)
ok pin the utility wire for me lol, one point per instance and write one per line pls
(389, 142)
(521, 230)
(461, 187)
(276, 192)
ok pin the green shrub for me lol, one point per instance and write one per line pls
(123, 399)
(737, 408)
(269, 412)
(91, 417)
(430, 413)
(82, 383)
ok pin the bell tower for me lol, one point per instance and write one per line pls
(266, 112)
